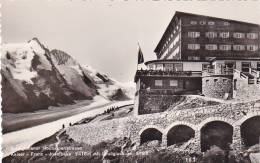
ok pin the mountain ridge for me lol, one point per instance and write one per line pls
(34, 78)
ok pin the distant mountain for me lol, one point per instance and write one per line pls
(34, 78)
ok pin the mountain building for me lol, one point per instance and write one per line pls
(203, 55)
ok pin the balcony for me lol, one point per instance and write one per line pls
(169, 73)
(220, 71)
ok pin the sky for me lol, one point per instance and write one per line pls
(105, 33)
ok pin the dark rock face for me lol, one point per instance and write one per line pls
(12, 97)
(119, 95)
(74, 75)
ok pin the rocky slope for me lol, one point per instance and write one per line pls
(34, 78)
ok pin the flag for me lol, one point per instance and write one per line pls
(140, 56)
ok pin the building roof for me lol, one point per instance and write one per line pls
(178, 14)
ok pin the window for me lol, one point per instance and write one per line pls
(175, 52)
(211, 23)
(193, 34)
(238, 35)
(202, 22)
(230, 64)
(224, 34)
(177, 38)
(168, 67)
(258, 66)
(205, 66)
(252, 47)
(211, 47)
(151, 66)
(193, 46)
(165, 53)
(178, 66)
(226, 23)
(193, 58)
(224, 80)
(215, 80)
(158, 83)
(246, 66)
(238, 47)
(193, 22)
(252, 35)
(207, 81)
(211, 34)
(171, 45)
(159, 66)
(225, 47)
(173, 83)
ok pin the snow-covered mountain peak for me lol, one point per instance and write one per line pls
(35, 77)
(19, 57)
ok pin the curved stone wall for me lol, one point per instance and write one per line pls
(217, 86)
(134, 126)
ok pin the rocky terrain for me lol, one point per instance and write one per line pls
(35, 77)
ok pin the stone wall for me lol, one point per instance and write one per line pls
(243, 90)
(154, 103)
(233, 114)
(217, 86)
(97, 132)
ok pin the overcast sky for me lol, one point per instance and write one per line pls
(104, 34)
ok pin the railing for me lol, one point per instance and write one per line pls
(241, 74)
(255, 73)
(168, 73)
(222, 71)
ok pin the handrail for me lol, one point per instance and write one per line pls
(243, 75)
(222, 71)
(165, 73)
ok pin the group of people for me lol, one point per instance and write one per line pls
(113, 108)
(63, 125)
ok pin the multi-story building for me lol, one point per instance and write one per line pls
(204, 55)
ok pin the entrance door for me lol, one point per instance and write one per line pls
(230, 65)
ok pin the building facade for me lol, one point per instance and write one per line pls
(202, 55)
